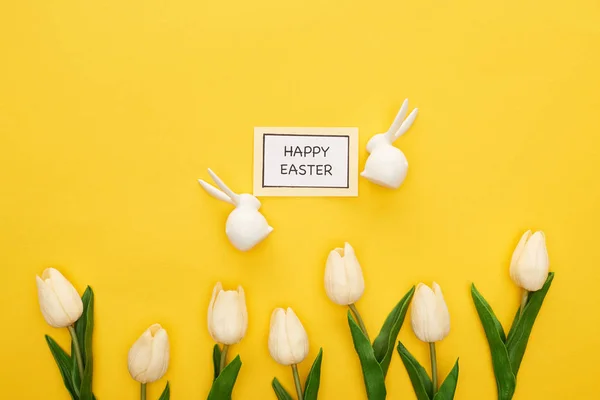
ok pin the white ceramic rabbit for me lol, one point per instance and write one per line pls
(386, 164)
(246, 226)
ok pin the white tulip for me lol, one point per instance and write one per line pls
(149, 356)
(59, 301)
(529, 264)
(344, 283)
(429, 314)
(288, 341)
(227, 315)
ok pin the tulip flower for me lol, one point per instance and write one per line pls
(59, 301)
(288, 342)
(227, 318)
(148, 358)
(529, 269)
(344, 282)
(61, 306)
(430, 320)
(529, 264)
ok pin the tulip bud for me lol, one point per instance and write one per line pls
(288, 341)
(344, 283)
(529, 264)
(430, 318)
(59, 301)
(227, 315)
(149, 356)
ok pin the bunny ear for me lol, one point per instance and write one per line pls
(407, 123)
(214, 192)
(398, 120)
(234, 197)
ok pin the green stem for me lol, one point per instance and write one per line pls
(143, 392)
(77, 350)
(434, 378)
(223, 363)
(524, 297)
(297, 382)
(359, 319)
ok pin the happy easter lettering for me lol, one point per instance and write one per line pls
(303, 168)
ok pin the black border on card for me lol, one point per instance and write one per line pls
(307, 187)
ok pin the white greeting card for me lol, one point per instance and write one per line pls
(305, 161)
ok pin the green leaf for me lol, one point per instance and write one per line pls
(511, 332)
(80, 325)
(372, 372)
(166, 394)
(222, 387)
(280, 391)
(497, 323)
(448, 387)
(418, 376)
(313, 380)
(383, 346)
(88, 330)
(216, 361)
(517, 343)
(63, 360)
(505, 379)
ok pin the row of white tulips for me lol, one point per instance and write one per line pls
(288, 344)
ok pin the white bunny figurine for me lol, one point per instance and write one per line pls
(246, 226)
(386, 164)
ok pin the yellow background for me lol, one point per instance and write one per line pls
(110, 110)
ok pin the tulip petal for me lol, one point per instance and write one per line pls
(297, 337)
(274, 316)
(354, 275)
(272, 343)
(227, 320)
(218, 288)
(278, 345)
(159, 360)
(139, 357)
(284, 349)
(336, 283)
(243, 310)
(542, 253)
(67, 294)
(421, 313)
(50, 306)
(442, 315)
(519, 250)
(349, 252)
